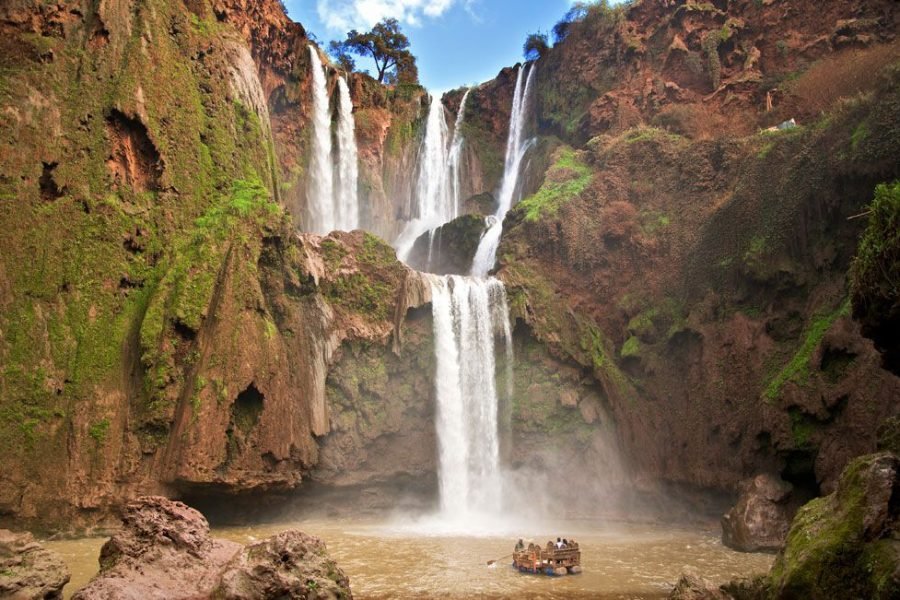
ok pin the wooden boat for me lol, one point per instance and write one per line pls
(548, 561)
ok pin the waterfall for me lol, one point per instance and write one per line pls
(454, 164)
(517, 146)
(320, 189)
(468, 314)
(434, 205)
(347, 176)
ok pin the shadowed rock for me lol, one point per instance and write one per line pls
(164, 552)
(762, 516)
(449, 249)
(27, 570)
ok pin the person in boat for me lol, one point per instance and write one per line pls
(559, 544)
(520, 545)
(565, 543)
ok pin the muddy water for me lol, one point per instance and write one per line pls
(384, 560)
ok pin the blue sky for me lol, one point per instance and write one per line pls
(457, 42)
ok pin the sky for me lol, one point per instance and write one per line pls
(457, 42)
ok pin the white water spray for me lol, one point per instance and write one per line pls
(347, 172)
(468, 315)
(320, 188)
(434, 203)
(517, 146)
(454, 161)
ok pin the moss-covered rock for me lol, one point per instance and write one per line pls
(449, 249)
(844, 545)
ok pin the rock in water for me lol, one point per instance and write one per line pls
(845, 545)
(27, 570)
(694, 587)
(164, 551)
(762, 516)
(288, 565)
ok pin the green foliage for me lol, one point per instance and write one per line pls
(798, 368)
(388, 47)
(536, 46)
(566, 179)
(875, 273)
(99, 430)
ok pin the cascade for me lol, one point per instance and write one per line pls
(517, 146)
(347, 175)
(454, 164)
(468, 314)
(320, 190)
(433, 201)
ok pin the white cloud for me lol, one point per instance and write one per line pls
(341, 15)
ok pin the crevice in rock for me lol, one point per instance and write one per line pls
(50, 190)
(134, 160)
(247, 408)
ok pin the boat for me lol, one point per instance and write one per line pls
(548, 561)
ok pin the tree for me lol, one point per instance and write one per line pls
(387, 45)
(343, 58)
(576, 13)
(536, 46)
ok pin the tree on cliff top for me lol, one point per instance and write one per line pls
(536, 46)
(388, 46)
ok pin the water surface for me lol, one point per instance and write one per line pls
(391, 560)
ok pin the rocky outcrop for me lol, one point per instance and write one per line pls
(164, 551)
(449, 249)
(28, 571)
(693, 587)
(762, 516)
(845, 545)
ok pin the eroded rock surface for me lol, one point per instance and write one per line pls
(762, 516)
(164, 551)
(27, 570)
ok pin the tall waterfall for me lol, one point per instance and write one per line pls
(320, 188)
(516, 147)
(454, 162)
(468, 314)
(434, 203)
(347, 175)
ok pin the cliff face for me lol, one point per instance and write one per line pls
(699, 267)
(679, 289)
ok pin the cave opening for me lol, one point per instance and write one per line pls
(247, 408)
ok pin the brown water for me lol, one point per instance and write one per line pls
(383, 560)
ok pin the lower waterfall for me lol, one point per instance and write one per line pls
(470, 314)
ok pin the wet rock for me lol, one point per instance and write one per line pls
(762, 516)
(164, 551)
(449, 250)
(844, 545)
(694, 587)
(288, 565)
(27, 570)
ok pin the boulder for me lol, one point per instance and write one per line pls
(694, 587)
(762, 516)
(845, 545)
(27, 570)
(288, 565)
(164, 551)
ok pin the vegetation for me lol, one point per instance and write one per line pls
(387, 46)
(536, 46)
(566, 179)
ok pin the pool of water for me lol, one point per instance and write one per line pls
(390, 559)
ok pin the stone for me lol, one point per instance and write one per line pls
(288, 565)
(28, 571)
(164, 551)
(762, 516)
(843, 545)
(589, 411)
(569, 398)
(693, 587)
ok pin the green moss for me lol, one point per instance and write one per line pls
(359, 293)
(797, 369)
(631, 348)
(875, 273)
(565, 180)
(860, 135)
(99, 430)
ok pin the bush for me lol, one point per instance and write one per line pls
(536, 46)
